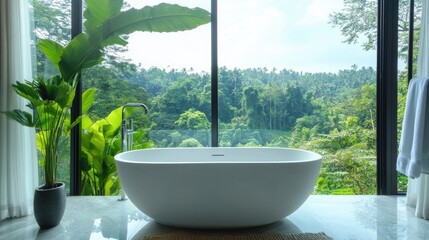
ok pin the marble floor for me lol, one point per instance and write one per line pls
(340, 217)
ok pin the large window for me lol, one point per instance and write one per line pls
(288, 79)
(174, 70)
(299, 74)
(168, 72)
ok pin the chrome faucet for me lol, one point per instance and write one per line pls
(126, 134)
(124, 130)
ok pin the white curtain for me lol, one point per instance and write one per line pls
(18, 159)
(418, 189)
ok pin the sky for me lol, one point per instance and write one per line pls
(285, 34)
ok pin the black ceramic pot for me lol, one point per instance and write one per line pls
(49, 205)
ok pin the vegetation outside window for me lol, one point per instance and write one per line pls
(299, 76)
(169, 72)
(289, 80)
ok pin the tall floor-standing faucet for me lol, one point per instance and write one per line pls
(124, 132)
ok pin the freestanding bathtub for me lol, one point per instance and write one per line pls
(218, 187)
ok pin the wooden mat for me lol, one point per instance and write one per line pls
(298, 236)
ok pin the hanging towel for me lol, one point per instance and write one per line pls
(413, 156)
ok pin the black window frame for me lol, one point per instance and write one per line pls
(387, 100)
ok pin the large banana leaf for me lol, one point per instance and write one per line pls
(88, 98)
(52, 50)
(85, 50)
(98, 11)
(114, 120)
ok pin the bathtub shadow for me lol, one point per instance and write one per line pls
(280, 227)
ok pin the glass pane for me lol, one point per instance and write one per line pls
(169, 72)
(174, 69)
(294, 75)
(52, 21)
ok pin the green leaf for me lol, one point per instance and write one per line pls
(88, 99)
(86, 187)
(110, 162)
(85, 50)
(63, 93)
(108, 186)
(28, 90)
(24, 118)
(141, 140)
(115, 146)
(115, 117)
(97, 145)
(47, 115)
(114, 40)
(114, 120)
(86, 123)
(80, 53)
(56, 89)
(85, 140)
(52, 50)
(97, 11)
(40, 143)
(85, 160)
(93, 145)
(160, 18)
(72, 93)
(115, 189)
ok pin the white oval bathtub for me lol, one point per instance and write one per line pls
(218, 187)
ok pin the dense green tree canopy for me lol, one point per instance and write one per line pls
(358, 23)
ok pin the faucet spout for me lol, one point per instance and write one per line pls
(124, 121)
(131, 105)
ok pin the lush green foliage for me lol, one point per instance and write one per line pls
(332, 114)
(50, 100)
(101, 141)
(358, 20)
(49, 103)
(105, 23)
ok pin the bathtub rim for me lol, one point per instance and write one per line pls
(119, 157)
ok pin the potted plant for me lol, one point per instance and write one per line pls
(50, 99)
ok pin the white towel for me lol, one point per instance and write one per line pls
(413, 156)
